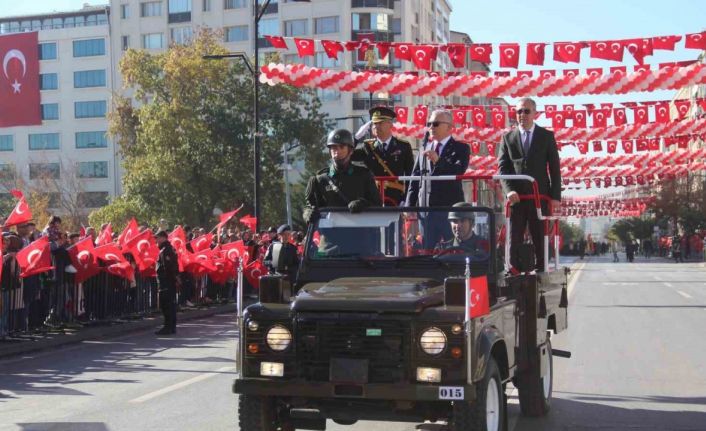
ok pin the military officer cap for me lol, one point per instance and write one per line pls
(282, 229)
(458, 215)
(382, 113)
(340, 137)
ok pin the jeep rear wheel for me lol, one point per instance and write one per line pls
(535, 391)
(256, 413)
(487, 412)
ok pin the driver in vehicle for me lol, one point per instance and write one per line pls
(465, 239)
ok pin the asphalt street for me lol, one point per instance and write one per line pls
(635, 331)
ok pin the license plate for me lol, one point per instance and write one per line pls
(451, 393)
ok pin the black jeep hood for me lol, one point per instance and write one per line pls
(400, 295)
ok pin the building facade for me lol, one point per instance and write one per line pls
(70, 149)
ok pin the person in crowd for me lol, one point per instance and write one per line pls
(53, 231)
(529, 150)
(441, 155)
(10, 283)
(167, 269)
(464, 237)
(385, 155)
(281, 256)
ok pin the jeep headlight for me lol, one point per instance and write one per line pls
(433, 341)
(278, 338)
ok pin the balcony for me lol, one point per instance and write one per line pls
(179, 17)
(385, 4)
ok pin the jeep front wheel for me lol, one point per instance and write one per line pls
(256, 413)
(487, 412)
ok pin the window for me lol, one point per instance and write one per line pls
(7, 171)
(151, 8)
(323, 60)
(179, 11)
(124, 11)
(371, 21)
(295, 27)
(206, 5)
(328, 95)
(89, 47)
(295, 59)
(44, 170)
(181, 35)
(125, 41)
(43, 141)
(47, 51)
(269, 27)
(7, 143)
(327, 24)
(48, 81)
(50, 111)
(93, 170)
(90, 109)
(238, 33)
(91, 140)
(234, 4)
(397, 25)
(92, 199)
(153, 41)
(89, 78)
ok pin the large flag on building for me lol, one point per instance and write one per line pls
(19, 80)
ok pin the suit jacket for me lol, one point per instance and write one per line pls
(453, 160)
(542, 163)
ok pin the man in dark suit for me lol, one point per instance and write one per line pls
(442, 155)
(385, 155)
(529, 150)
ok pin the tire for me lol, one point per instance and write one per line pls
(256, 413)
(487, 412)
(535, 392)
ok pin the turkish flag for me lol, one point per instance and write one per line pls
(498, 116)
(568, 110)
(226, 217)
(21, 213)
(403, 51)
(402, 113)
(594, 72)
(641, 115)
(559, 119)
(83, 259)
(478, 113)
(253, 272)
(481, 52)
(642, 144)
(662, 112)
(642, 68)
(619, 117)
(654, 144)
(535, 53)
(619, 70)
(568, 52)
(35, 258)
(547, 73)
(636, 48)
(202, 242)
(597, 146)
(423, 56)
(665, 42)
(612, 146)
(457, 54)
(235, 250)
(305, 47)
(106, 235)
(524, 74)
(332, 48)
(110, 253)
(420, 115)
(509, 54)
(549, 110)
(683, 107)
(580, 118)
(122, 270)
(571, 73)
(177, 238)
(130, 231)
(249, 221)
(478, 296)
(276, 41)
(475, 147)
(383, 49)
(366, 40)
(490, 146)
(459, 116)
(583, 147)
(693, 41)
(19, 80)
(607, 50)
(683, 142)
(627, 147)
(144, 249)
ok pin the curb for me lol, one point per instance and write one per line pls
(60, 340)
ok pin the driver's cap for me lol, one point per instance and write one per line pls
(458, 215)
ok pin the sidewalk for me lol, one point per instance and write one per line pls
(35, 342)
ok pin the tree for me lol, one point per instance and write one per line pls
(682, 203)
(187, 147)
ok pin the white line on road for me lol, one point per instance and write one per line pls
(575, 278)
(684, 294)
(669, 284)
(180, 385)
(658, 278)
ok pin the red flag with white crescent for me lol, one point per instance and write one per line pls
(83, 259)
(19, 80)
(253, 272)
(130, 231)
(177, 238)
(109, 253)
(106, 236)
(35, 258)
(20, 214)
(479, 301)
(202, 242)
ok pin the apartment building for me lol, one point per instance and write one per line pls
(70, 147)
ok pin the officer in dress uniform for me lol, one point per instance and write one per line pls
(385, 155)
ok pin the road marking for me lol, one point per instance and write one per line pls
(668, 284)
(658, 278)
(512, 398)
(684, 294)
(572, 283)
(180, 385)
(622, 283)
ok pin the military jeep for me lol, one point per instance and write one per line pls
(377, 328)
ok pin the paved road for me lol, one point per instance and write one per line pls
(649, 376)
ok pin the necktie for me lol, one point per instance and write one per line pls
(526, 143)
(437, 147)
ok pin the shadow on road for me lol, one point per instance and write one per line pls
(64, 426)
(586, 413)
